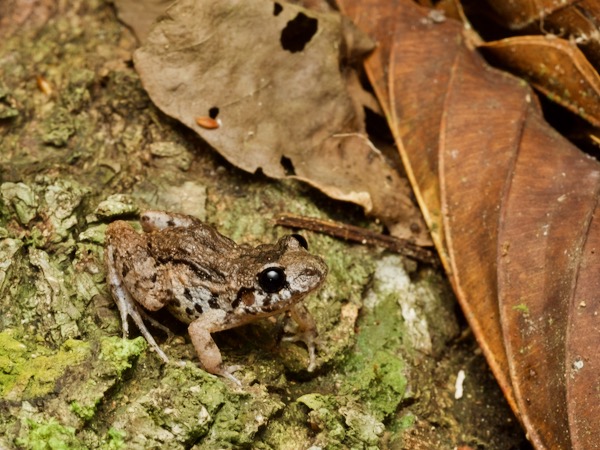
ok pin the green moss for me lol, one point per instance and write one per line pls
(406, 421)
(349, 269)
(379, 381)
(93, 234)
(83, 412)
(376, 369)
(30, 371)
(285, 431)
(119, 353)
(22, 198)
(190, 407)
(521, 307)
(77, 95)
(58, 127)
(116, 205)
(398, 427)
(341, 426)
(115, 440)
(49, 435)
(7, 103)
(99, 375)
(324, 415)
(363, 428)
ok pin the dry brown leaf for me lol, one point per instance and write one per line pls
(270, 74)
(140, 15)
(561, 57)
(413, 96)
(554, 66)
(549, 201)
(520, 13)
(513, 208)
(19, 15)
(579, 23)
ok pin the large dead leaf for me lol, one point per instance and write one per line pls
(554, 66)
(265, 84)
(513, 209)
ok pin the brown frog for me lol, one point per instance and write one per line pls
(208, 281)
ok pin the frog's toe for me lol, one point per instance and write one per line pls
(227, 372)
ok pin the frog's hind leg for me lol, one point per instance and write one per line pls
(127, 306)
(134, 278)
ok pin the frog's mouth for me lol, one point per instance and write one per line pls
(255, 301)
(258, 303)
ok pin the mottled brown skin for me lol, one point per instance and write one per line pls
(208, 281)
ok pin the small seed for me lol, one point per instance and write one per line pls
(207, 122)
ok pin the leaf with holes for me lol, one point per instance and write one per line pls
(268, 86)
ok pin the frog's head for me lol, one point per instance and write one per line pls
(284, 274)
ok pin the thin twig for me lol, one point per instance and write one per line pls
(357, 234)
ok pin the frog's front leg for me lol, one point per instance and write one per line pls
(307, 332)
(209, 354)
(133, 276)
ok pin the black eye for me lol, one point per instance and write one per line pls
(271, 280)
(301, 240)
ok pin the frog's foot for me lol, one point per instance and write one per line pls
(227, 372)
(137, 318)
(309, 338)
(207, 350)
(306, 332)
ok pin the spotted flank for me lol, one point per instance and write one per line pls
(189, 303)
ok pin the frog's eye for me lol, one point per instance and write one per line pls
(272, 279)
(301, 240)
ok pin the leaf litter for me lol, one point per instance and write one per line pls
(271, 86)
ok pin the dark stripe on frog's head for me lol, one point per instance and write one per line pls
(200, 271)
(242, 297)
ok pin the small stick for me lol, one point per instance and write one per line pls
(357, 234)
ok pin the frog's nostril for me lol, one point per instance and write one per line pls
(310, 272)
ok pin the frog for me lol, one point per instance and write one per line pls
(208, 281)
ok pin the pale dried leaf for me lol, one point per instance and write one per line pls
(273, 76)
